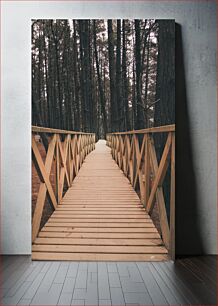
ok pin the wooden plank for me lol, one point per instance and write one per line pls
(78, 229)
(159, 176)
(160, 198)
(98, 235)
(99, 224)
(90, 185)
(73, 147)
(99, 220)
(63, 158)
(106, 206)
(98, 257)
(146, 172)
(99, 241)
(69, 161)
(77, 194)
(78, 152)
(97, 212)
(58, 174)
(102, 204)
(100, 249)
(42, 190)
(38, 129)
(159, 129)
(41, 168)
(116, 208)
(74, 154)
(139, 154)
(172, 201)
(102, 200)
(100, 216)
(64, 171)
(101, 192)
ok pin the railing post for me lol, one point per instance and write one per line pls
(172, 200)
(146, 171)
(57, 173)
(134, 157)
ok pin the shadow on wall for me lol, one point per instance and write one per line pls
(188, 234)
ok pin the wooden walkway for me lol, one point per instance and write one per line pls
(100, 218)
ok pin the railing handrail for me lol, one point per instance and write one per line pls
(39, 129)
(159, 129)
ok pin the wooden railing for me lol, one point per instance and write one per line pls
(67, 150)
(135, 153)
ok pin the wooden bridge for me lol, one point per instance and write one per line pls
(101, 217)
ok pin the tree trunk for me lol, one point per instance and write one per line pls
(101, 92)
(114, 111)
(146, 80)
(120, 111)
(134, 118)
(125, 84)
(58, 86)
(140, 124)
(77, 89)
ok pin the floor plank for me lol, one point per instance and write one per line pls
(99, 282)
(134, 236)
(97, 257)
(100, 249)
(104, 242)
(70, 229)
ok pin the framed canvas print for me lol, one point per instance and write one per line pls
(103, 139)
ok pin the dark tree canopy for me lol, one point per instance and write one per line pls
(102, 75)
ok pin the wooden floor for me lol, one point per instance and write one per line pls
(188, 281)
(100, 218)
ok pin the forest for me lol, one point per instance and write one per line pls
(103, 76)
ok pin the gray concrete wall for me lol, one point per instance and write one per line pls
(198, 24)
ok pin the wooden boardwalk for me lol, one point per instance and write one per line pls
(99, 218)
